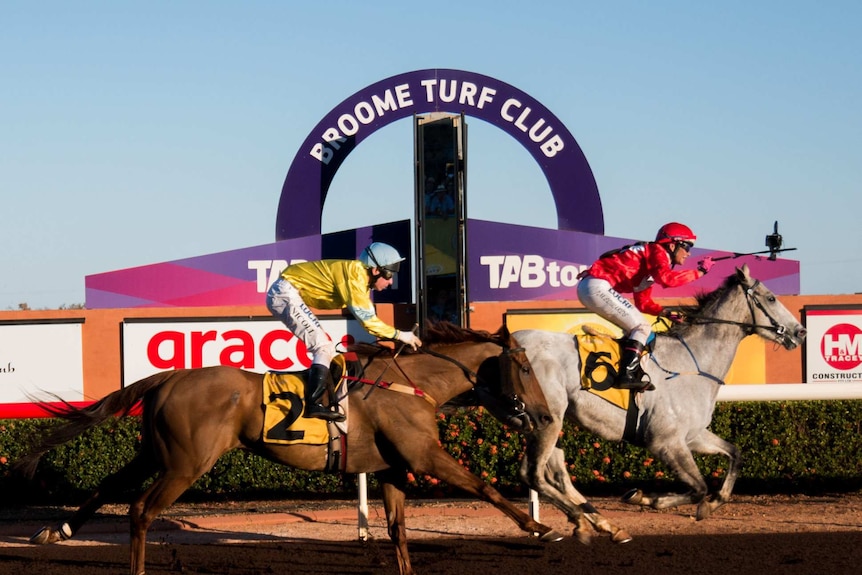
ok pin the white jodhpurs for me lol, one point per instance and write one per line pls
(285, 303)
(600, 297)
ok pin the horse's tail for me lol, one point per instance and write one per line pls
(79, 420)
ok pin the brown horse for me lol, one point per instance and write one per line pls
(191, 417)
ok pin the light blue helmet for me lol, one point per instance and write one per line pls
(383, 257)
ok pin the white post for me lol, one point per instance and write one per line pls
(363, 507)
(534, 504)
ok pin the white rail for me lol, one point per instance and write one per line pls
(790, 391)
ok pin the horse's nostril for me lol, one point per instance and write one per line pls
(801, 333)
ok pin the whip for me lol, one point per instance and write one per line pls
(774, 241)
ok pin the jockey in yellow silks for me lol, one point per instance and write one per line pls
(334, 284)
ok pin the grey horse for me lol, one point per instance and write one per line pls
(687, 365)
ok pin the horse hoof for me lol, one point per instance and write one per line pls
(633, 497)
(621, 536)
(704, 510)
(583, 536)
(48, 535)
(583, 530)
(551, 537)
(44, 536)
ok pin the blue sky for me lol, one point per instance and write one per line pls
(134, 133)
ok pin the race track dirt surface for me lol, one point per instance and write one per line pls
(781, 535)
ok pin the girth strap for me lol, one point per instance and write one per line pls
(336, 453)
(630, 431)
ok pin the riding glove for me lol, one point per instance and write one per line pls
(705, 264)
(409, 338)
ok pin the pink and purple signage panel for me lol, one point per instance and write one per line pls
(519, 263)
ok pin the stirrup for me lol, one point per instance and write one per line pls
(636, 385)
(320, 411)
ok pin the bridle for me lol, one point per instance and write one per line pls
(511, 353)
(748, 328)
(516, 405)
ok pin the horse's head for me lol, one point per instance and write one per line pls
(529, 408)
(769, 318)
(504, 381)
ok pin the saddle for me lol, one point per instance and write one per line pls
(600, 359)
(283, 422)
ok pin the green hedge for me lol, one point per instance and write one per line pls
(793, 446)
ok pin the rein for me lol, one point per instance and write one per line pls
(673, 374)
(471, 375)
(748, 328)
(412, 388)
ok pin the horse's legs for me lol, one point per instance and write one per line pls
(677, 456)
(144, 510)
(681, 462)
(434, 460)
(709, 443)
(393, 481)
(558, 474)
(183, 457)
(541, 471)
(131, 474)
(544, 469)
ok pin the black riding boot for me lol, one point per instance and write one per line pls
(315, 387)
(630, 373)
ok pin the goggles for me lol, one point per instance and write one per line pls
(685, 245)
(384, 272)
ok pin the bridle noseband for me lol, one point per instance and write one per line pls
(749, 328)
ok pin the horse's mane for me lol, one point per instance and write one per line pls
(444, 333)
(438, 334)
(705, 301)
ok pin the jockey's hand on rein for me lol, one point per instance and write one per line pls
(409, 338)
(673, 315)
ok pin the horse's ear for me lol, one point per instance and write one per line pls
(503, 334)
(743, 273)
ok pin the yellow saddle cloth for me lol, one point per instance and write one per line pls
(600, 359)
(283, 404)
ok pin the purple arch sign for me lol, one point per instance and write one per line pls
(300, 208)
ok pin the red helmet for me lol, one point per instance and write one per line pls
(675, 232)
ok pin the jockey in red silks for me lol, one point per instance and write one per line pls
(634, 269)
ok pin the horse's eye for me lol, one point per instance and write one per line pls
(771, 299)
(525, 369)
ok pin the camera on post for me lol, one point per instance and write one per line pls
(774, 242)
